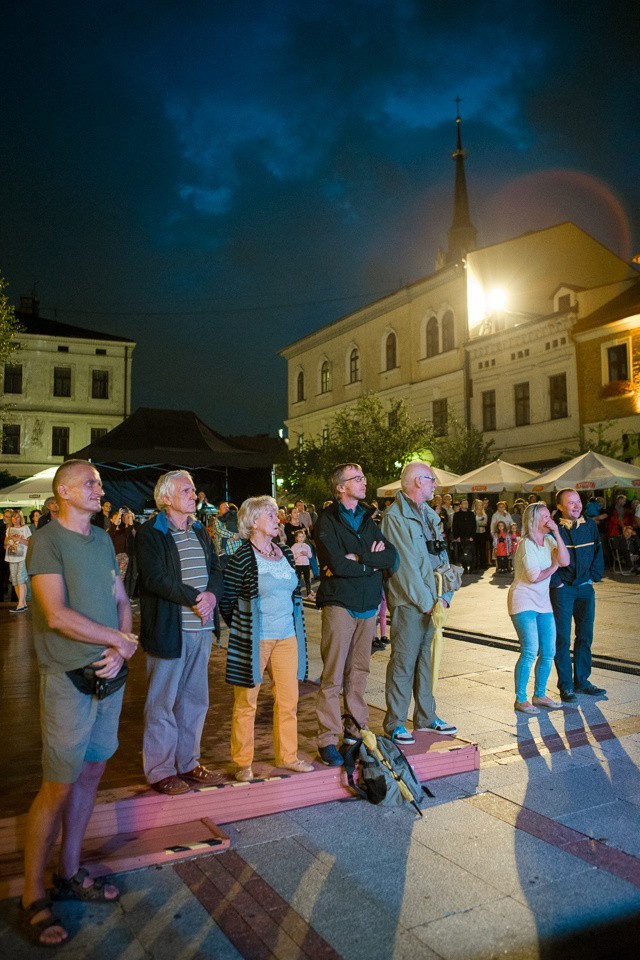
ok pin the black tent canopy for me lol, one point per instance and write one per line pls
(151, 441)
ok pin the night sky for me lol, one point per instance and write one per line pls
(217, 179)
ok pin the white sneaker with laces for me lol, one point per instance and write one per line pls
(439, 726)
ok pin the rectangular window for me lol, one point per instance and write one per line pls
(11, 439)
(521, 396)
(488, 410)
(100, 384)
(63, 349)
(440, 418)
(558, 396)
(13, 378)
(100, 352)
(97, 432)
(62, 381)
(618, 362)
(59, 441)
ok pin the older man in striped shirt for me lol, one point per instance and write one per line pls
(180, 583)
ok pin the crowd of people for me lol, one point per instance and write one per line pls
(249, 566)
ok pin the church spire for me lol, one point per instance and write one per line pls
(462, 234)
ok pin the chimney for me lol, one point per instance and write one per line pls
(30, 305)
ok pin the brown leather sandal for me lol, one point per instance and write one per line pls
(74, 888)
(33, 930)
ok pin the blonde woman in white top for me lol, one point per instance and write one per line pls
(540, 552)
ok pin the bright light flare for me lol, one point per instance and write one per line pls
(496, 299)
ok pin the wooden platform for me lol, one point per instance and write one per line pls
(134, 826)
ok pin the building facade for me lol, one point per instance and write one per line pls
(491, 337)
(64, 388)
(608, 356)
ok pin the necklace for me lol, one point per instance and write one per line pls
(268, 554)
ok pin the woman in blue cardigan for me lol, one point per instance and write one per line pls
(262, 605)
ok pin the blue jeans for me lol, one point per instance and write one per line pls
(574, 603)
(537, 636)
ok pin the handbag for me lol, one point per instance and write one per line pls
(86, 681)
(451, 575)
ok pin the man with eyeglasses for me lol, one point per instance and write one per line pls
(414, 529)
(352, 554)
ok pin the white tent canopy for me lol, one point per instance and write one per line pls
(494, 478)
(34, 490)
(589, 471)
(444, 479)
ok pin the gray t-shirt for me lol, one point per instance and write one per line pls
(89, 568)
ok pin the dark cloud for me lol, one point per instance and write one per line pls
(216, 180)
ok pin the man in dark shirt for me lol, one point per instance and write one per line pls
(352, 554)
(573, 597)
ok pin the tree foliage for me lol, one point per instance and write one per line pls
(462, 449)
(593, 438)
(380, 439)
(9, 326)
(7, 479)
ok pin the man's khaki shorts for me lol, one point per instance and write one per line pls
(75, 727)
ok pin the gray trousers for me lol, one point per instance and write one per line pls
(176, 707)
(409, 669)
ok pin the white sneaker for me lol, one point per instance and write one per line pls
(439, 726)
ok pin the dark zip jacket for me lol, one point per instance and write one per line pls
(355, 585)
(162, 592)
(586, 560)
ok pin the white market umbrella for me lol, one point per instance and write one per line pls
(444, 479)
(494, 478)
(589, 471)
(33, 489)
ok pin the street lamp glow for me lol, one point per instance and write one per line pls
(497, 299)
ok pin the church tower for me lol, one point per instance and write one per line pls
(462, 233)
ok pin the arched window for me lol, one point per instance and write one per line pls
(325, 377)
(448, 335)
(354, 366)
(433, 345)
(300, 387)
(390, 352)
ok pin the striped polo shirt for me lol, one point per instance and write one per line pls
(193, 567)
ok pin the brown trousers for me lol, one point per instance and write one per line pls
(346, 655)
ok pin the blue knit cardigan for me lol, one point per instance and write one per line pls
(240, 611)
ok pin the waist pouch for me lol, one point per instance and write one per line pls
(86, 681)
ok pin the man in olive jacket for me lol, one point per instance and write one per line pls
(352, 553)
(179, 580)
(411, 591)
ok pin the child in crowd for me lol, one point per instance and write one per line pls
(514, 537)
(302, 555)
(501, 547)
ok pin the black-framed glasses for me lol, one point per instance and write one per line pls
(358, 478)
(427, 476)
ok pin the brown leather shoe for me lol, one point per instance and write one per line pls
(171, 786)
(205, 778)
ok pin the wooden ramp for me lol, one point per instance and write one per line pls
(135, 826)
